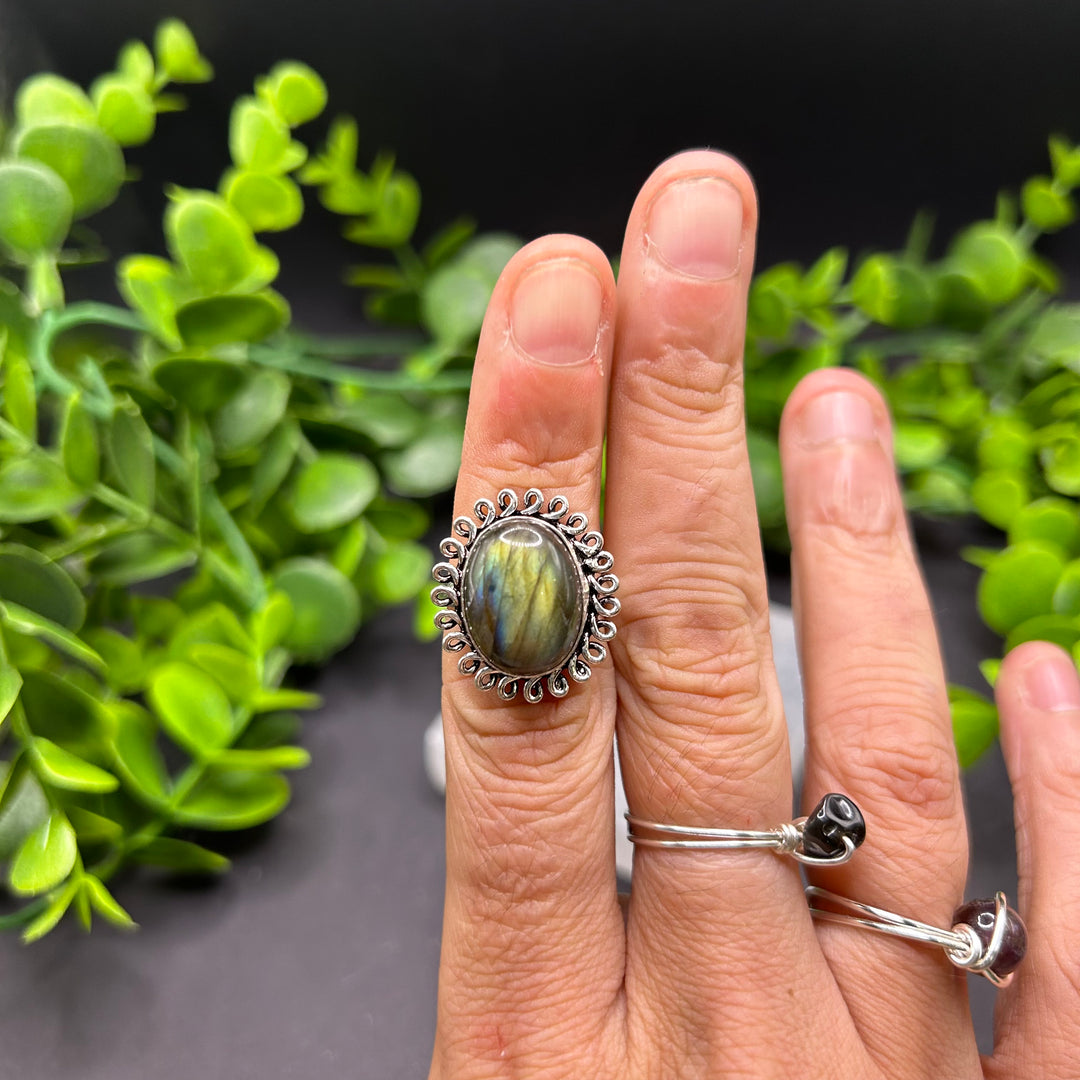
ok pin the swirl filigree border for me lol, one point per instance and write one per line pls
(595, 565)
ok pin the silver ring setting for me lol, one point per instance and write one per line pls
(987, 937)
(828, 836)
(527, 595)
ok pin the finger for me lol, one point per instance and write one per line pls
(1038, 1029)
(532, 943)
(701, 732)
(877, 717)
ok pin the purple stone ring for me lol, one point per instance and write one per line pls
(987, 936)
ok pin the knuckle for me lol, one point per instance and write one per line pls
(569, 457)
(897, 762)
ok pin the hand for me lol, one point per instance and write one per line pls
(719, 970)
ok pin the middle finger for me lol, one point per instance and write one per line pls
(701, 730)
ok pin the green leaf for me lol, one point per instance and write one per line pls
(181, 856)
(86, 159)
(400, 572)
(233, 799)
(1066, 599)
(136, 755)
(123, 658)
(10, 685)
(46, 857)
(59, 709)
(33, 580)
(20, 403)
(150, 285)
(104, 903)
(131, 453)
(975, 727)
(271, 622)
(824, 278)
(453, 303)
(35, 209)
(1052, 520)
(44, 287)
(269, 729)
(1019, 584)
(267, 203)
(49, 99)
(1060, 460)
(91, 828)
(140, 556)
(296, 93)
(24, 621)
(232, 669)
(249, 417)
(53, 913)
(1065, 161)
(1006, 442)
(999, 495)
(448, 241)
(283, 698)
(394, 217)
(273, 759)
(1045, 206)
(201, 383)
(60, 768)
(1063, 630)
(214, 244)
(79, 444)
(388, 420)
(428, 466)
(331, 491)
(259, 139)
(992, 259)
(125, 110)
(1056, 334)
(326, 608)
(424, 612)
(919, 444)
(990, 669)
(192, 707)
(398, 519)
(220, 320)
(178, 55)
(136, 63)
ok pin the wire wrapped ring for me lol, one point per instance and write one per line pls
(826, 837)
(987, 937)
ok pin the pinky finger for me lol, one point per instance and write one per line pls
(1038, 1021)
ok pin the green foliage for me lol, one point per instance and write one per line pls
(980, 364)
(243, 469)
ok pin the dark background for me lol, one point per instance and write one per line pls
(316, 958)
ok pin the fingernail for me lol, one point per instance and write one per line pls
(555, 312)
(840, 415)
(1052, 684)
(695, 227)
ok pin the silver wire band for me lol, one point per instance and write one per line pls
(784, 839)
(961, 944)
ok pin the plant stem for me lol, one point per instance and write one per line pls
(328, 371)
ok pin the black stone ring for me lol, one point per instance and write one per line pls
(987, 936)
(827, 837)
(527, 595)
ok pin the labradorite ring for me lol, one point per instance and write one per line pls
(527, 595)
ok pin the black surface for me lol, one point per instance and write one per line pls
(316, 958)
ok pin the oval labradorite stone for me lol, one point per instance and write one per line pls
(522, 597)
